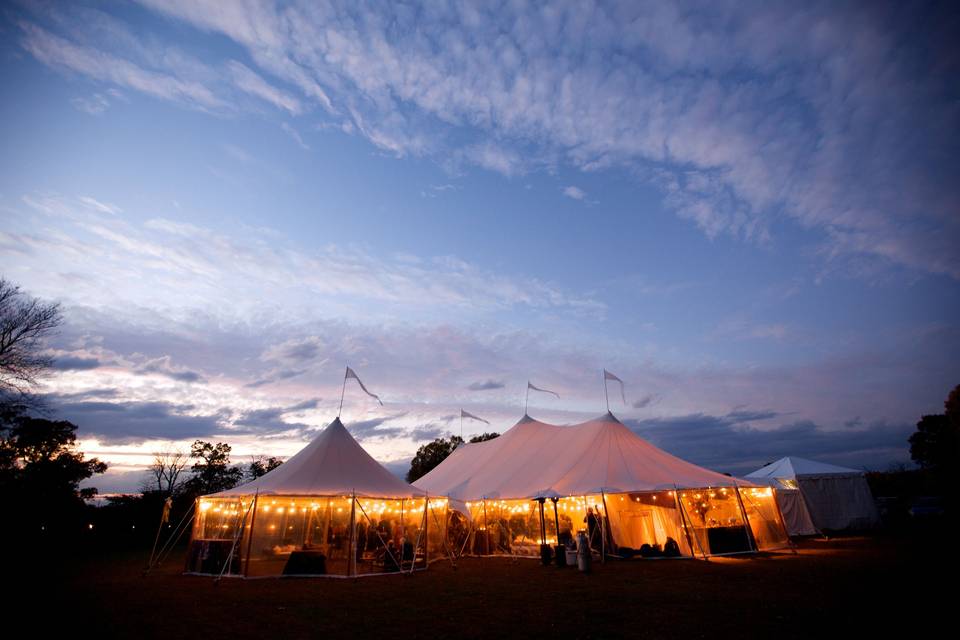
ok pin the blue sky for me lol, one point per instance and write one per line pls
(747, 211)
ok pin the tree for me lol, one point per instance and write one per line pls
(433, 453)
(25, 324)
(262, 465)
(212, 471)
(41, 471)
(166, 471)
(430, 455)
(935, 445)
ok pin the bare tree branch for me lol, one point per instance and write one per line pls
(166, 470)
(25, 324)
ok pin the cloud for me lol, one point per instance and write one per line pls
(646, 401)
(486, 385)
(74, 363)
(165, 367)
(94, 105)
(249, 81)
(61, 53)
(132, 422)
(828, 116)
(574, 192)
(295, 135)
(373, 428)
(185, 264)
(102, 207)
(724, 444)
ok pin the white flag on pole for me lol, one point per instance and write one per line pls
(467, 414)
(531, 386)
(352, 374)
(609, 376)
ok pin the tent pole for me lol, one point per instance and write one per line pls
(783, 523)
(426, 534)
(343, 389)
(238, 534)
(164, 549)
(683, 516)
(543, 522)
(556, 518)
(486, 528)
(164, 516)
(604, 518)
(746, 520)
(163, 555)
(253, 521)
(352, 548)
(606, 395)
(327, 515)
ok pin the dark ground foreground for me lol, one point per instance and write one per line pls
(864, 585)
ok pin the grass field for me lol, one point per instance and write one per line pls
(861, 584)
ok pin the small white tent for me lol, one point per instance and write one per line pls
(837, 498)
(601, 472)
(331, 509)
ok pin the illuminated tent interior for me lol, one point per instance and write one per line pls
(540, 484)
(329, 510)
(836, 498)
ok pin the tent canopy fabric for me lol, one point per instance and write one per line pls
(534, 459)
(333, 464)
(793, 467)
(837, 498)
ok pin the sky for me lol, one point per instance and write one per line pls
(749, 212)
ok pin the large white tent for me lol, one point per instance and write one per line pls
(599, 469)
(837, 498)
(331, 509)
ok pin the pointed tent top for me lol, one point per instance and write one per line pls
(793, 467)
(332, 464)
(536, 459)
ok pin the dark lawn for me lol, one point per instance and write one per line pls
(862, 584)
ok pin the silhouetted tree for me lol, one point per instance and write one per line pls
(262, 465)
(433, 453)
(935, 445)
(430, 455)
(166, 472)
(212, 471)
(483, 437)
(40, 473)
(25, 324)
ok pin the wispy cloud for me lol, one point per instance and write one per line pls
(575, 193)
(698, 102)
(249, 81)
(295, 135)
(94, 105)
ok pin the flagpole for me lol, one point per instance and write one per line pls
(606, 396)
(342, 391)
(461, 423)
(526, 400)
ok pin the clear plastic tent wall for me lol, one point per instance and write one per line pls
(273, 535)
(329, 510)
(601, 479)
